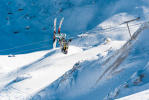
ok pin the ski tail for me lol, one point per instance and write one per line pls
(54, 44)
(59, 29)
(54, 38)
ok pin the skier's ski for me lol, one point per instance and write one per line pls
(54, 38)
(55, 25)
(59, 29)
(54, 44)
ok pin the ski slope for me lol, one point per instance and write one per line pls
(88, 78)
(137, 96)
(42, 69)
(33, 77)
(102, 62)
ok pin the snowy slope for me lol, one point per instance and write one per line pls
(29, 78)
(22, 78)
(88, 78)
(98, 65)
(49, 68)
(137, 96)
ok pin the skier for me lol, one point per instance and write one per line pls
(61, 38)
(64, 45)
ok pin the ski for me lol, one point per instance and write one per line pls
(54, 44)
(55, 25)
(59, 29)
(54, 38)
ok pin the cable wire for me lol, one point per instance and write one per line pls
(24, 45)
(30, 50)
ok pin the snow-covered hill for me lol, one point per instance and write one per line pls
(102, 61)
(104, 78)
(138, 96)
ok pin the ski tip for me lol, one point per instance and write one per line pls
(62, 19)
(55, 19)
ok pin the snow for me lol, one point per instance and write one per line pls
(102, 62)
(50, 68)
(121, 30)
(18, 60)
(97, 72)
(144, 95)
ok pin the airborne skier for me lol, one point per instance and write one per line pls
(60, 37)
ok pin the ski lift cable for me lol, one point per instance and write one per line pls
(120, 28)
(29, 50)
(24, 45)
(116, 30)
(124, 28)
(105, 26)
(22, 92)
(108, 31)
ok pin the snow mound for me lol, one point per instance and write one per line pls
(74, 49)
